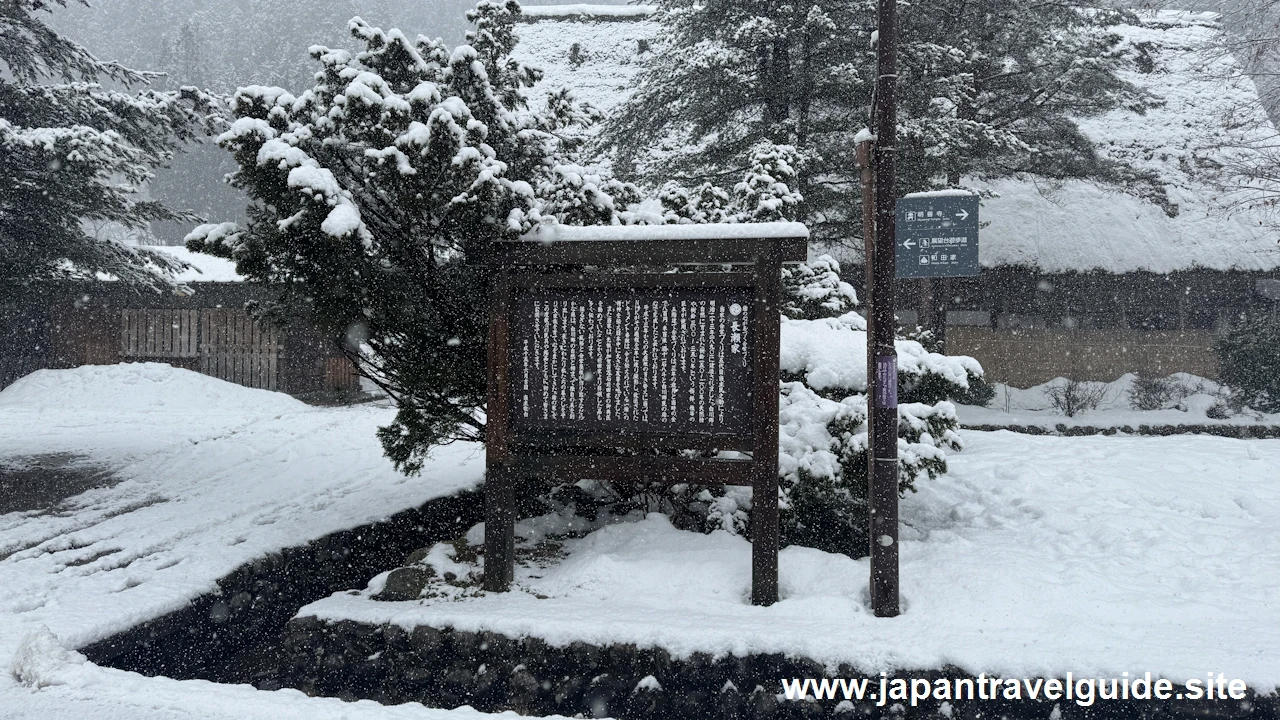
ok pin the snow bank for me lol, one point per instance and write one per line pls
(1033, 406)
(135, 388)
(211, 476)
(1034, 556)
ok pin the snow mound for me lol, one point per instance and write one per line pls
(1190, 400)
(132, 387)
(40, 656)
(832, 353)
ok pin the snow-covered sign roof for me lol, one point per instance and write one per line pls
(641, 233)
(205, 268)
(1208, 101)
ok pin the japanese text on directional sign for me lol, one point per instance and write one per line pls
(937, 236)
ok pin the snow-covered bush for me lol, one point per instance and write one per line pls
(1148, 393)
(372, 188)
(1151, 393)
(823, 411)
(766, 192)
(1250, 359)
(814, 289)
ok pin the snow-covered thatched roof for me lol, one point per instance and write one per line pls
(594, 49)
(1208, 102)
(204, 268)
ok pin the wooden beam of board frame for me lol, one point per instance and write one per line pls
(614, 253)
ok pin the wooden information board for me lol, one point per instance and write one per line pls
(603, 350)
(657, 360)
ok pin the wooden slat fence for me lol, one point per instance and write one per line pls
(158, 333)
(234, 348)
(222, 342)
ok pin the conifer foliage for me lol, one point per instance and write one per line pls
(987, 88)
(75, 152)
(372, 190)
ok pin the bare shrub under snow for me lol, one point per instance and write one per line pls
(1076, 397)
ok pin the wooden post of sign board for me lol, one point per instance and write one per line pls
(499, 506)
(764, 491)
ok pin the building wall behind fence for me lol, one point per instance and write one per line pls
(1027, 357)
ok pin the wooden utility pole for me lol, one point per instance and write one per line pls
(882, 375)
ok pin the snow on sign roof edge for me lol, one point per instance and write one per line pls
(587, 10)
(642, 233)
(950, 192)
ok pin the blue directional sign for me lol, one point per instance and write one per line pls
(937, 236)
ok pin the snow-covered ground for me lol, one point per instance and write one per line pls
(1035, 556)
(1190, 404)
(206, 477)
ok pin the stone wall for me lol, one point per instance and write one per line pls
(233, 634)
(448, 668)
(243, 634)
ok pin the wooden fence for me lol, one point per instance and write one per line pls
(209, 332)
(222, 342)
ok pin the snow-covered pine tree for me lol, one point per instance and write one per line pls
(76, 152)
(987, 88)
(371, 190)
(766, 194)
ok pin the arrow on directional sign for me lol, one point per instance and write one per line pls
(963, 214)
(908, 244)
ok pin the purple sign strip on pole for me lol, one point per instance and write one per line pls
(886, 381)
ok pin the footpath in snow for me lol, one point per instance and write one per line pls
(1034, 557)
(195, 477)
